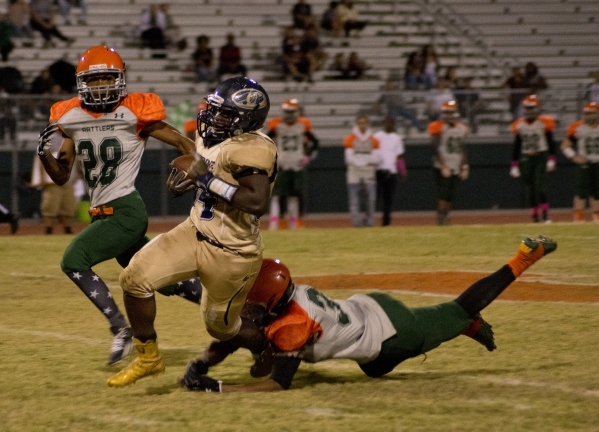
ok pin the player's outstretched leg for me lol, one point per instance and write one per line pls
(148, 362)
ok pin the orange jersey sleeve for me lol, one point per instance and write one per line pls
(306, 122)
(572, 128)
(435, 128)
(62, 107)
(549, 122)
(147, 107)
(293, 330)
(272, 125)
(375, 142)
(514, 125)
(348, 142)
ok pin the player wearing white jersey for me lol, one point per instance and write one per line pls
(296, 148)
(376, 330)
(105, 130)
(450, 162)
(533, 155)
(581, 146)
(220, 242)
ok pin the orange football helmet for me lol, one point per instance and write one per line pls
(290, 109)
(449, 111)
(273, 287)
(531, 107)
(591, 107)
(105, 62)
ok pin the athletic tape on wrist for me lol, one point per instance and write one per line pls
(222, 189)
(569, 152)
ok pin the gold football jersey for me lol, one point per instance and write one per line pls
(214, 217)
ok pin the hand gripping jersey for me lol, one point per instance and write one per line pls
(230, 160)
(290, 141)
(451, 143)
(533, 135)
(586, 138)
(108, 145)
(316, 328)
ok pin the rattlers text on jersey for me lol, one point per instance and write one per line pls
(451, 144)
(586, 137)
(317, 328)
(230, 160)
(291, 140)
(533, 134)
(108, 145)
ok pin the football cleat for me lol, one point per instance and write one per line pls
(122, 345)
(530, 247)
(148, 363)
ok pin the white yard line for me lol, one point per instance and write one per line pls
(515, 382)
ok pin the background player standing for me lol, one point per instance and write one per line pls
(106, 130)
(296, 148)
(220, 242)
(449, 160)
(581, 146)
(534, 155)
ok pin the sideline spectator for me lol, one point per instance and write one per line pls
(517, 92)
(295, 64)
(229, 60)
(355, 66)
(413, 75)
(391, 166)
(42, 83)
(310, 46)
(391, 104)
(533, 80)
(151, 28)
(19, 17)
(63, 73)
(42, 20)
(469, 102)
(362, 156)
(349, 18)
(430, 63)
(65, 10)
(338, 64)
(172, 32)
(330, 20)
(6, 44)
(302, 15)
(437, 96)
(203, 60)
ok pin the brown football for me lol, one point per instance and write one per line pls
(182, 163)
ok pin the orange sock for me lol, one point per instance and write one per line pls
(524, 258)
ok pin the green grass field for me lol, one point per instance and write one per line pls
(543, 376)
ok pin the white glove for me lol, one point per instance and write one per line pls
(445, 171)
(45, 139)
(550, 163)
(515, 171)
(177, 184)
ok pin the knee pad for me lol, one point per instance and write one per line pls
(133, 283)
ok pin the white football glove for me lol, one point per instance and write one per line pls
(550, 164)
(445, 171)
(515, 171)
(45, 139)
(176, 183)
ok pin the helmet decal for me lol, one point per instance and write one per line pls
(249, 98)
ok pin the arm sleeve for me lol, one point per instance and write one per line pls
(283, 370)
(517, 148)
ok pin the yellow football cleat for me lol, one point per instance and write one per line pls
(148, 362)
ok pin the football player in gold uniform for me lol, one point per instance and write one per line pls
(220, 242)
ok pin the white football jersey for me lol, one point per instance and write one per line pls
(451, 146)
(586, 138)
(108, 145)
(533, 135)
(341, 329)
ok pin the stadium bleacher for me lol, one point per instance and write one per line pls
(483, 39)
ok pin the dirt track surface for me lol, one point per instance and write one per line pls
(435, 282)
